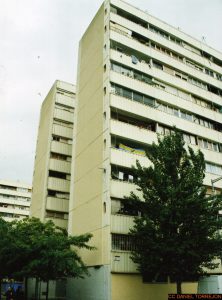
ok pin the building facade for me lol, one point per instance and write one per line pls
(51, 178)
(137, 77)
(15, 198)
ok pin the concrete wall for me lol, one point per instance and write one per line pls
(94, 287)
(40, 175)
(86, 201)
(131, 287)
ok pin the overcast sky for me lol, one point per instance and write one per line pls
(39, 44)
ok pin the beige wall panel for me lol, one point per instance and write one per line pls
(90, 109)
(131, 287)
(86, 200)
(99, 256)
(88, 188)
(90, 158)
(90, 135)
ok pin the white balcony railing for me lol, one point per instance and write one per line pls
(57, 204)
(121, 224)
(122, 263)
(57, 184)
(59, 165)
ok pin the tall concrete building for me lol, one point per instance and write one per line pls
(51, 178)
(137, 77)
(15, 198)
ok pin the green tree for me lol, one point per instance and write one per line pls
(5, 245)
(44, 251)
(177, 234)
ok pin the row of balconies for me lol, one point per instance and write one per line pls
(134, 133)
(162, 76)
(15, 210)
(14, 202)
(158, 116)
(166, 43)
(165, 95)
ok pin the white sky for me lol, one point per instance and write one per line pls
(39, 44)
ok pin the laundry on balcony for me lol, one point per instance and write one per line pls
(132, 150)
(134, 59)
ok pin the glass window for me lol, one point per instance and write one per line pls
(121, 175)
(186, 138)
(137, 76)
(215, 147)
(160, 129)
(170, 110)
(118, 90)
(116, 68)
(176, 112)
(148, 101)
(183, 115)
(157, 65)
(137, 97)
(192, 140)
(127, 93)
(205, 144)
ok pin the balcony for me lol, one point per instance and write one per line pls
(143, 49)
(59, 165)
(120, 189)
(15, 211)
(166, 42)
(209, 176)
(64, 115)
(122, 263)
(58, 184)
(57, 204)
(59, 222)
(62, 131)
(121, 224)
(132, 132)
(61, 148)
(169, 95)
(64, 100)
(158, 116)
(126, 159)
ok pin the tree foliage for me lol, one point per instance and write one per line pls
(41, 250)
(177, 233)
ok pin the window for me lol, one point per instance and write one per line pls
(57, 174)
(215, 169)
(157, 65)
(137, 97)
(127, 93)
(122, 242)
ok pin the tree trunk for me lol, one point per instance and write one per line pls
(26, 288)
(0, 288)
(179, 287)
(36, 288)
(47, 290)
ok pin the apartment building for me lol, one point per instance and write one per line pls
(15, 198)
(51, 178)
(137, 77)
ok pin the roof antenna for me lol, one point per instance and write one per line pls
(204, 39)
